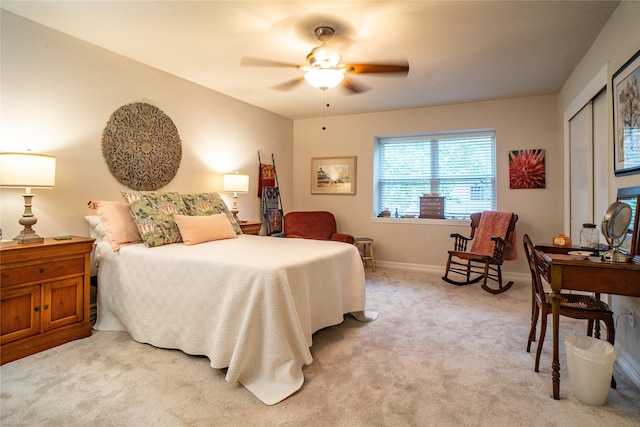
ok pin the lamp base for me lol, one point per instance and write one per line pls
(28, 236)
(234, 208)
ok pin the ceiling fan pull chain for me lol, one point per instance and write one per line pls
(325, 104)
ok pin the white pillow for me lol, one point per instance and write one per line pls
(96, 228)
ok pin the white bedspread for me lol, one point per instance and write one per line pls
(249, 304)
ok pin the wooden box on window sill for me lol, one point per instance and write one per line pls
(432, 207)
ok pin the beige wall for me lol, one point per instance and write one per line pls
(617, 43)
(522, 123)
(59, 92)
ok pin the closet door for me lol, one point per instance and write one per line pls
(601, 159)
(581, 170)
(588, 164)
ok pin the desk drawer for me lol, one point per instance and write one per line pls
(41, 272)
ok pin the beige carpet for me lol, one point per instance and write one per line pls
(437, 355)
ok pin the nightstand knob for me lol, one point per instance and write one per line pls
(42, 270)
(46, 307)
(36, 309)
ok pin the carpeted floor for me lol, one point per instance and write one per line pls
(437, 355)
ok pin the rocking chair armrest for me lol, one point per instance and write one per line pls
(460, 236)
(460, 242)
(500, 246)
(498, 238)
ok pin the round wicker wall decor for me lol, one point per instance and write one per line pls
(142, 147)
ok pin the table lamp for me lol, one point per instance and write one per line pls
(27, 170)
(235, 183)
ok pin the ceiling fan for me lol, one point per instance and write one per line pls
(325, 70)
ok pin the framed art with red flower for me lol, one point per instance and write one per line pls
(626, 117)
(526, 169)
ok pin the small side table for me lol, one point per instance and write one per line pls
(251, 227)
(367, 251)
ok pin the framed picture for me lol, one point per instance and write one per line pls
(333, 175)
(626, 117)
(527, 169)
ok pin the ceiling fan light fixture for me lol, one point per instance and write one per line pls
(323, 56)
(324, 78)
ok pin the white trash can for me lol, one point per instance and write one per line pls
(590, 363)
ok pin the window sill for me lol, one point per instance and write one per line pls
(421, 221)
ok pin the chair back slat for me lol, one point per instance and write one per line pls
(535, 267)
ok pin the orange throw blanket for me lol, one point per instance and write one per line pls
(494, 223)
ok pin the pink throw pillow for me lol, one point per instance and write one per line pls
(199, 229)
(118, 223)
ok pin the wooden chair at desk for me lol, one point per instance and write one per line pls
(572, 305)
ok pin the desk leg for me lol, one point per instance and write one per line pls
(555, 365)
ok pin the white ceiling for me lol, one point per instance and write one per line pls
(458, 51)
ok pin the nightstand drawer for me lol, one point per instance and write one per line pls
(41, 272)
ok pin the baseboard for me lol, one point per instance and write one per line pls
(439, 269)
(411, 267)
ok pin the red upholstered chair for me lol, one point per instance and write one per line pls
(318, 225)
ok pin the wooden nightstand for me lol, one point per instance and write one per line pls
(44, 292)
(251, 227)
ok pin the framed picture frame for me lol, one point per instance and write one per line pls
(626, 117)
(527, 169)
(333, 175)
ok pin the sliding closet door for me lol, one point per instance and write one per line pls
(588, 164)
(600, 158)
(581, 167)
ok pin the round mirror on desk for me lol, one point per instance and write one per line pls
(615, 224)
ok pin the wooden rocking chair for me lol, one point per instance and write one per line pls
(494, 234)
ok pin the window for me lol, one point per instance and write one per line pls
(461, 167)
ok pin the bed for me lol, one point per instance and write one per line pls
(250, 304)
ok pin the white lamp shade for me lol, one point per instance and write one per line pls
(236, 183)
(324, 78)
(27, 170)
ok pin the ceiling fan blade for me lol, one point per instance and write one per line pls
(353, 87)
(288, 85)
(378, 68)
(258, 62)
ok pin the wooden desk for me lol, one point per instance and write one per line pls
(550, 249)
(592, 275)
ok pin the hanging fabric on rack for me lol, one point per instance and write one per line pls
(271, 212)
(266, 175)
(269, 193)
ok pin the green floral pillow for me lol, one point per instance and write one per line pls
(199, 204)
(153, 213)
